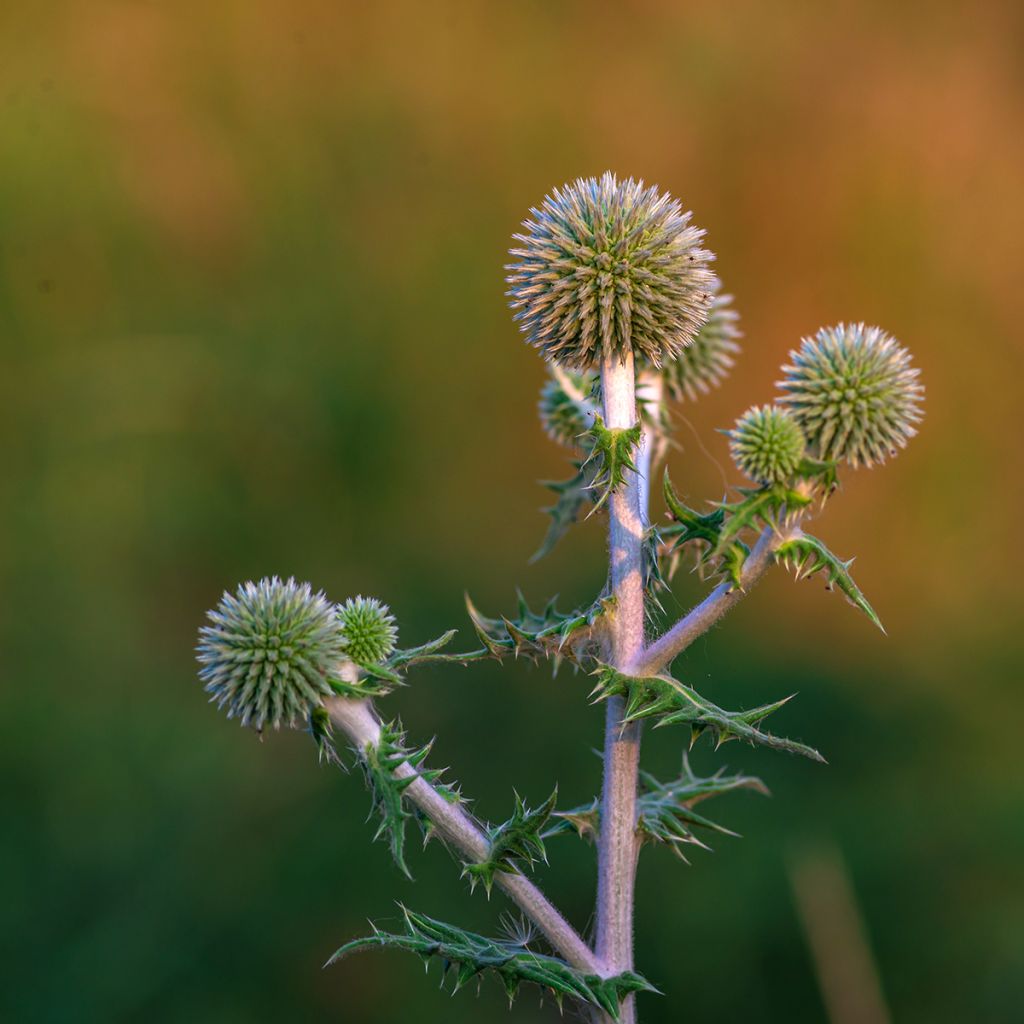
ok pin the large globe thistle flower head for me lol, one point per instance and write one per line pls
(706, 362)
(561, 414)
(270, 652)
(608, 267)
(767, 444)
(369, 630)
(854, 392)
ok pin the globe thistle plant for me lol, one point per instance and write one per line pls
(369, 630)
(854, 392)
(608, 268)
(271, 652)
(767, 444)
(610, 280)
(706, 362)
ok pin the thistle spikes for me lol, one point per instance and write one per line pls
(561, 413)
(270, 653)
(608, 267)
(369, 630)
(767, 444)
(707, 362)
(854, 392)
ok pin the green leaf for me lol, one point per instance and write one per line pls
(672, 703)
(380, 764)
(547, 634)
(612, 452)
(665, 809)
(584, 821)
(514, 844)
(807, 555)
(468, 955)
(572, 496)
(758, 507)
(322, 731)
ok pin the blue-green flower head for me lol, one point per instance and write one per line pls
(767, 444)
(854, 392)
(561, 414)
(707, 361)
(607, 267)
(270, 652)
(369, 630)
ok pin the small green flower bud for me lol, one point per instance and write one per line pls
(369, 630)
(608, 267)
(767, 444)
(270, 652)
(560, 414)
(854, 392)
(707, 362)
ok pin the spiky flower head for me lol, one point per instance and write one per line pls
(369, 630)
(270, 652)
(854, 392)
(767, 444)
(607, 267)
(561, 413)
(707, 361)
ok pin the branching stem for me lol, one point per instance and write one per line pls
(358, 721)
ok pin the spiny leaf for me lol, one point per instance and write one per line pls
(612, 451)
(322, 731)
(758, 506)
(571, 497)
(702, 531)
(665, 809)
(380, 680)
(548, 634)
(584, 821)
(469, 955)
(380, 765)
(671, 702)
(807, 556)
(515, 843)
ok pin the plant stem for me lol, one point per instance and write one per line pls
(358, 721)
(658, 655)
(617, 845)
(649, 388)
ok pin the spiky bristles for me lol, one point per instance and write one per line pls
(854, 392)
(562, 414)
(369, 630)
(767, 444)
(607, 267)
(707, 361)
(271, 651)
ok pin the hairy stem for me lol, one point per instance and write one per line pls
(649, 390)
(699, 620)
(617, 845)
(358, 721)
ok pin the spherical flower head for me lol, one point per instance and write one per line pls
(560, 414)
(854, 392)
(706, 362)
(606, 268)
(767, 444)
(369, 630)
(270, 652)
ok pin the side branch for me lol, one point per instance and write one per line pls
(357, 720)
(656, 656)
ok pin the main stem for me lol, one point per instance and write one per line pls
(618, 845)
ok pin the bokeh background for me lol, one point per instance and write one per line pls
(252, 322)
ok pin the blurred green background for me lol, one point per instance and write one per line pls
(252, 318)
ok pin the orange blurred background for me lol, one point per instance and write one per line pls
(252, 312)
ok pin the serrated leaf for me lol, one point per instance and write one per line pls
(611, 451)
(572, 496)
(380, 763)
(807, 556)
(665, 809)
(757, 508)
(583, 821)
(322, 731)
(673, 703)
(547, 634)
(469, 955)
(513, 844)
